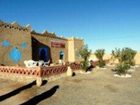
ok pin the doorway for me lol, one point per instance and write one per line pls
(44, 54)
(61, 55)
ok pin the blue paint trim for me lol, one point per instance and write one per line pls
(15, 55)
(5, 43)
(24, 45)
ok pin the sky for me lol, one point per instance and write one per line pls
(103, 24)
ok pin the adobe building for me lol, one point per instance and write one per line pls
(18, 43)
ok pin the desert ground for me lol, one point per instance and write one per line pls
(97, 88)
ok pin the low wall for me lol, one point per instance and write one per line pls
(34, 72)
(20, 74)
(53, 70)
(75, 66)
(24, 74)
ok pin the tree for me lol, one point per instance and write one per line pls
(125, 55)
(85, 53)
(99, 54)
(126, 59)
(115, 54)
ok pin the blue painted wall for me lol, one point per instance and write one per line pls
(5, 43)
(15, 55)
(24, 45)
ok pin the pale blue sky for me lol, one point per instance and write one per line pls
(102, 23)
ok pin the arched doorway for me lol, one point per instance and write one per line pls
(40, 51)
(44, 54)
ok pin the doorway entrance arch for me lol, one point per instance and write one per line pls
(44, 54)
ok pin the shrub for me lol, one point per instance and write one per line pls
(101, 63)
(99, 54)
(115, 54)
(126, 59)
(85, 53)
(126, 55)
(85, 65)
(122, 68)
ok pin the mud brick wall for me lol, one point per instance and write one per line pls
(15, 44)
(45, 39)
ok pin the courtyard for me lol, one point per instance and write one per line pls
(98, 88)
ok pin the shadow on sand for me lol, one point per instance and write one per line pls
(35, 100)
(16, 91)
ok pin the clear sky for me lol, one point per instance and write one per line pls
(104, 24)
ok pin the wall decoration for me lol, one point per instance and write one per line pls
(5, 43)
(57, 44)
(15, 55)
(23, 44)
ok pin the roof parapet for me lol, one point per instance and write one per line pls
(45, 32)
(28, 26)
(14, 25)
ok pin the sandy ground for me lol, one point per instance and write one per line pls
(97, 88)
